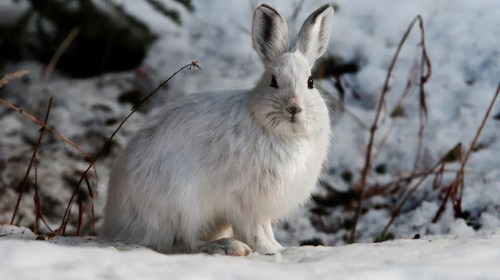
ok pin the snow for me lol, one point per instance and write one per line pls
(462, 41)
(444, 257)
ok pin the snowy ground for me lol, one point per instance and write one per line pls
(462, 41)
(444, 257)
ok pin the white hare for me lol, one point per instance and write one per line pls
(212, 171)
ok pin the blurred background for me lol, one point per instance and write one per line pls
(97, 59)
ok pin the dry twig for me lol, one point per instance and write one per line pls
(458, 184)
(385, 89)
(32, 161)
(438, 170)
(66, 216)
(7, 78)
(399, 106)
(45, 126)
(60, 51)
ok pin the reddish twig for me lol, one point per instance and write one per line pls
(66, 216)
(60, 51)
(369, 147)
(5, 79)
(16, 75)
(438, 170)
(36, 199)
(424, 77)
(45, 126)
(399, 105)
(55, 132)
(32, 161)
(412, 176)
(449, 189)
(459, 178)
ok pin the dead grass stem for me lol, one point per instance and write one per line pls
(456, 190)
(67, 212)
(32, 161)
(425, 73)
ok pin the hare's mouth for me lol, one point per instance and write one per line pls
(295, 119)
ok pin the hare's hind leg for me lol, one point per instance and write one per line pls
(222, 243)
(224, 246)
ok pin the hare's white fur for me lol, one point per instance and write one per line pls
(227, 164)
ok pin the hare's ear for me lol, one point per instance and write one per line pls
(269, 33)
(314, 35)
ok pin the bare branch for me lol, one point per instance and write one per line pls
(369, 148)
(66, 216)
(32, 161)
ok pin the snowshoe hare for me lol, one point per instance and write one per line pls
(212, 171)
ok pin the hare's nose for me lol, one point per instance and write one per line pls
(294, 110)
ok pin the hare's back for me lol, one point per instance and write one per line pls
(195, 114)
(183, 129)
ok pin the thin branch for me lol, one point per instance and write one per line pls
(424, 77)
(45, 126)
(59, 52)
(369, 147)
(438, 170)
(67, 212)
(32, 161)
(55, 132)
(7, 78)
(459, 178)
(412, 176)
(36, 198)
(406, 93)
(397, 211)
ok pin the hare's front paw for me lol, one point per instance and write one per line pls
(225, 246)
(259, 236)
(269, 249)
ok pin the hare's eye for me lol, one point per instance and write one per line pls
(274, 83)
(310, 83)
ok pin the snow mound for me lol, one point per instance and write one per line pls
(84, 258)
